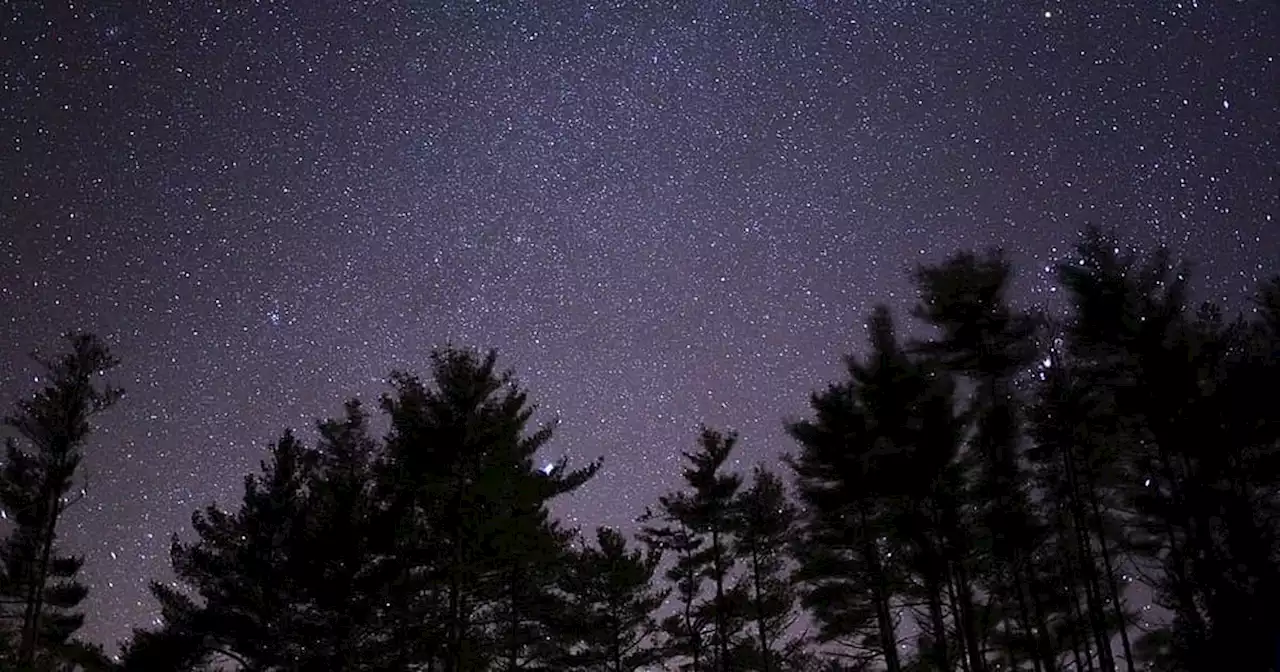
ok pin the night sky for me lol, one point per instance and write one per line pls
(661, 214)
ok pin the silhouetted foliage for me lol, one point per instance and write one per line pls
(697, 525)
(855, 475)
(1182, 389)
(39, 589)
(611, 603)
(764, 520)
(977, 501)
(434, 549)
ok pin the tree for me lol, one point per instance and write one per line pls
(697, 525)
(611, 602)
(478, 556)
(449, 558)
(684, 631)
(271, 587)
(243, 570)
(170, 649)
(341, 584)
(710, 513)
(929, 526)
(1077, 469)
(847, 473)
(764, 518)
(982, 338)
(1199, 446)
(38, 584)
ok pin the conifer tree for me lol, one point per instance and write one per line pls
(764, 520)
(341, 584)
(1198, 446)
(928, 523)
(169, 649)
(611, 603)
(981, 337)
(531, 609)
(1074, 441)
(697, 525)
(477, 551)
(711, 513)
(243, 569)
(847, 474)
(271, 586)
(686, 630)
(38, 584)
(449, 559)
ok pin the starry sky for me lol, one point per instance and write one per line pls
(661, 214)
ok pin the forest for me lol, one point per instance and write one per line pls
(985, 500)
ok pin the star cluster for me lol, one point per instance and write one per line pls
(661, 214)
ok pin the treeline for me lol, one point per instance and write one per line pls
(978, 502)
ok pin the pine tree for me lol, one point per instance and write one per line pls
(170, 649)
(531, 610)
(38, 584)
(1077, 469)
(686, 630)
(983, 339)
(611, 603)
(1198, 446)
(243, 570)
(341, 585)
(477, 551)
(848, 473)
(764, 519)
(710, 513)
(928, 521)
(272, 586)
(697, 526)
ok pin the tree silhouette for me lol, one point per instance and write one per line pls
(982, 338)
(764, 517)
(1198, 447)
(697, 524)
(1076, 462)
(611, 605)
(479, 555)
(685, 631)
(39, 585)
(341, 583)
(983, 495)
(243, 570)
(849, 474)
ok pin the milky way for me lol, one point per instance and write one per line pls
(661, 214)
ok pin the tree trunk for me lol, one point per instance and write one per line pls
(1020, 588)
(615, 647)
(35, 591)
(454, 656)
(1079, 641)
(1044, 642)
(765, 654)
(966, 619)
(880, 599)
(695, 638)
(513, 624)
(1108, 567)
(722, 623)
(959, 621)
(941, 659)
(1088, 566)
